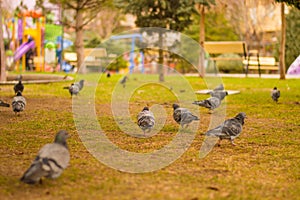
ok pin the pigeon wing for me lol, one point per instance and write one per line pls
(232, 128)
(218, 94)
(186, 116)
(51, 160)
(58, 158)
(18, 103)
(146, 119)
(217, 131)
(177, 115)
(214, 102)
(74, 89)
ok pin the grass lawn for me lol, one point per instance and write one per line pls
(264, 164)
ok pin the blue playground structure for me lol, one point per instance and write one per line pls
(131, 59)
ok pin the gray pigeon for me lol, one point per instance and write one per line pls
(211, 103)
(146, 120)
(183, 116)
(229, 129)
(275, 94)
(18, 103)
(19, 86)
(219, 94)
(50, 162)
(3, 104)
(123, 81)
(75, 88)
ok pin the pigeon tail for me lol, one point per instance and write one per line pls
(31, 176)
(4, 104)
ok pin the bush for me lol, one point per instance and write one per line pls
(117, 64)
(227, 66)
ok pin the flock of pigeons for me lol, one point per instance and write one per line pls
(53, 158)
(229, 129)
(18, 102)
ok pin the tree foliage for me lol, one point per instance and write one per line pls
(295, 3)
(78, 14)
(292, 36)
(170, 14)
(217, 28)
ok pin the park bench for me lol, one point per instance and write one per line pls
(261, 63)
(221, 47)
(250, 58)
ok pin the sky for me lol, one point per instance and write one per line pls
(30, 3)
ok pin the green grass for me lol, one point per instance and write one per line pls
(264, 164)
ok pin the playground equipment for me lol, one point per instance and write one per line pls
(24, 33)
(131, 58)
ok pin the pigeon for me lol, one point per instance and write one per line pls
(50, 161)
(219, 87)
(211, 103)
(19, 86)
(3, 104)
(183, 116)
(18, 103)
(123, 81)
(229, 129)
(275, 94)
(146, 120)
(75, 88)
(219, 94)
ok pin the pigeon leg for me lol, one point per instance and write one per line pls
(232, 142)
(219, 143)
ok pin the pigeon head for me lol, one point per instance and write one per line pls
(19, 93)
(146, 108)
(61, 137)
(175, 106)
(241, 117)
(19, 77)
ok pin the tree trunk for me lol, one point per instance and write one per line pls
(79, 48)
(161, 58)
(282, 44)
(2, 50)
(201, 67)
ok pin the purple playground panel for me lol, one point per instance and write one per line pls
(294, 69)
(20, 29)
(24, 48)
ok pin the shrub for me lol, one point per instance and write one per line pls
(227, 66)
